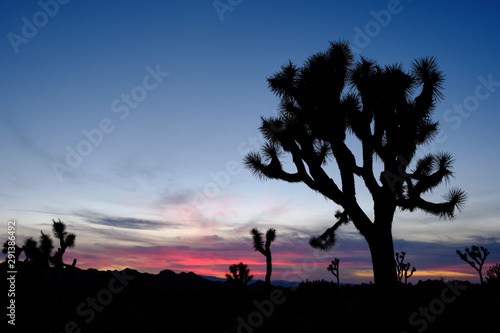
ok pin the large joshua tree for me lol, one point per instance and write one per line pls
(389, 111)
(265, 249)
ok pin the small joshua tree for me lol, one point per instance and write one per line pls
(240, 273)
(17, 250)
(477, 256)
(265, 249)
(334, 268)
(31, 250)
(413, 270)
(403, 268)
(493, 274)
(46, 246)
(65, 240)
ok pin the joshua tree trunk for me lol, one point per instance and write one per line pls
(382, 252)
(269, 270)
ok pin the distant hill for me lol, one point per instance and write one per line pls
(277, 283)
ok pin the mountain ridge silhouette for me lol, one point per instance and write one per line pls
(130, 301)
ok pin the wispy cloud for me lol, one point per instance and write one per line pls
(127, 222)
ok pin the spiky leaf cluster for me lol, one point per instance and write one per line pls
(326, 241)
(493, 274)
(258, 240)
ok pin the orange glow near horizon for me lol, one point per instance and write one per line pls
(442, 273)
(437, 273)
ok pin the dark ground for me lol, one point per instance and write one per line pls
(130, 301)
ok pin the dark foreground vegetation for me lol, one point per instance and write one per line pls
(129, 301)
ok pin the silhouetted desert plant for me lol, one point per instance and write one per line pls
(17, 250)
(265, 249)
(65, 240)
(45, 247)
(239, 273)
(389, 111)
(403, 268)
(31, 249)
(334, 268)
(40, 253)
(493, 274)
(477, 257)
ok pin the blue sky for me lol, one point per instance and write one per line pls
(176, 91)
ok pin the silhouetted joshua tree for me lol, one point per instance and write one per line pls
(17, 250)
(31, 249)
(265, 249)
(477, 258)
(65, 240)
(46, 246)
(493, 274)
(41, 252)
(240, 273)
(403, 268)
(389, 111)
(334, 268)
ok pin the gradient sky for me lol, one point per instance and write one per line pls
(163, 186)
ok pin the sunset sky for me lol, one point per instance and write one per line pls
(129, 121)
